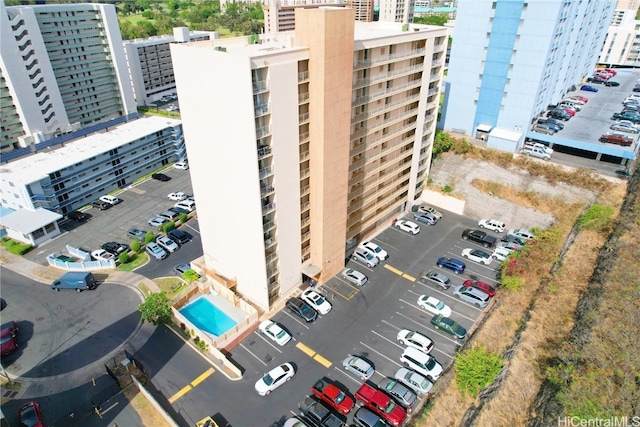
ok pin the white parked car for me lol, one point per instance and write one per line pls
(354, 276)
(408, 226)
(316, 301)
(178, 196)
(432, 211)
(415, 340)
(274, 379)
(102, 255)
(380, 253)
(501, 253)
(112, 200)
(434, 305)
(167, 244)
(414, 381)
(511, 246)
(522, 233)
(157, 221)
(492, 224)
(477, 255)
(274, 332)
(181, 165)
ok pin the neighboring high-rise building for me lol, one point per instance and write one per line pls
(397, 11)
(150, 65)
(510, 59)
(305, 143)
(62, 67)
(279, 15)
(622, 45)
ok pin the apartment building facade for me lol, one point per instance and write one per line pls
(622, 44)
(82, 170)
(312, 139)
(62, 67)
(280, 15)
(150, 66)
(510, 59)
(397, 11)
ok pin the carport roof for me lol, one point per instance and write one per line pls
(27, 221)
(510, 135)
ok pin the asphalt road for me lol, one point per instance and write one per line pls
(64, 337)
(363, 321)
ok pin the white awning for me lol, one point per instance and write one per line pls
(484, 128)
(311, 270)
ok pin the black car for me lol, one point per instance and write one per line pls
(611, 84)
(115, 248)
(479, 236)
(559, 114)
(77, 216)
(553, 122)
(161, 177)
(99, 204)
(178, 210)
(179, 236)
(595, 80)
(302, 309)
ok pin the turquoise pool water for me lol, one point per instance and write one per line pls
(206, 316)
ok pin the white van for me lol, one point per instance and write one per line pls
(187, 205)
(112, 200)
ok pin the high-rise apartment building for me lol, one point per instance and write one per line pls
(305, 141)
(150, 65)
(510, 59)
(280, 15)
(397, 10)
(62, 67)
(622, 45)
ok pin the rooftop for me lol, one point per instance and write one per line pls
(26, 221)
(33, 167)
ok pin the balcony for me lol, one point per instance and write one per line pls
(265, 191)
(303, 137)
(264, 152)
(303, 76)
(385, 76)
(260, 86)
(261, 109)
(305, 173)
(265, 172)
(305, 206)
(304, 155)
(263, 131)
(268, 226)
(306, 236)
(387, 58)
(303, 118)
(303, 98)
(392, 90)
(267, 208)
(305, 221)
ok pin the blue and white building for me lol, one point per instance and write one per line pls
(77, 173)
(510, 59)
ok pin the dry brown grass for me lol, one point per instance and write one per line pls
(148, 413)
(550, 321)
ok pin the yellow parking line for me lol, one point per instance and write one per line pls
(395, 270)
(406, 276)
(202, 377)
(186, 389)
(179, 394)
(321, 360)
(306, 350)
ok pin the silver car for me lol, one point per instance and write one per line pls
(156, 251)
(167, 244)
(414, 381)
(365, 256)
(400, 393)
(354, 276)
(434, 277)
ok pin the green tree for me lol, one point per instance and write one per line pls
(190, 276)
(123, 257)
(156, 309)
(166, 227)
(135, 245)
(475, 369)
(439, 19)
(183, 217)
(149, 237)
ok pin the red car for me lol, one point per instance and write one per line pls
(381, 404)
(616, 138)
(570, 111)
(29, 415)
(8, 338)
(333, 396)
(611, 71)
(484, 287)
(582, 98)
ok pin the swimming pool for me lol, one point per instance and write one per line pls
(206, 316)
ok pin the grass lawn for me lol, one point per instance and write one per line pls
(170, 285)
(135, 261)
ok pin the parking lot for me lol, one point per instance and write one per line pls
(140, 202)
(364, 321)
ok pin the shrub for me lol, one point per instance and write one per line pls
(190, 276)
(149, 237)
(597, 217)
(135, 246)
(123, 258)
(156, 309)
(15, 247)
(168, 226)
(447, 188)
(183, 217)
(475, 369)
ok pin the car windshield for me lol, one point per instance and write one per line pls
(390, 407)
(431, 363)
(305, 309)
(339, 398)
(319, 300)
(439, 305)
(268, 379)
(281, 334)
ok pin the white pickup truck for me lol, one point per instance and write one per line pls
(537, 150)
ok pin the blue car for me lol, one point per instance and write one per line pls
(453, 264)
(588, 88)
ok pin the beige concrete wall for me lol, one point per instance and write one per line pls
(329, 35)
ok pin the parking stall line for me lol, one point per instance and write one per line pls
(436, 331)
(385, 244)
(353, 293)
(431, 289)
(306, 350)
(387, 339)
(186, 389)
(424, 311)
(391, 324)
(268, 342)
(197, 231)
(376, 351)
(294, 319)
(393, 269)
(251, 353)
(346, 374)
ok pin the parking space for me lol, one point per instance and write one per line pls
(140, 202)
(365, 321)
